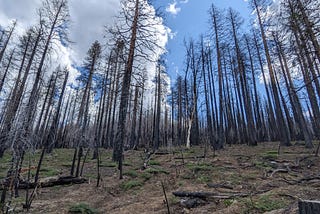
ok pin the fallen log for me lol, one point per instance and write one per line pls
(302, 180)
(162, 153)
(192, 157)
(205, 195)
(50, 182)
(279, 171)
(309, 207)
(193, 194)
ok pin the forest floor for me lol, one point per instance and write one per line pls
(239, 179)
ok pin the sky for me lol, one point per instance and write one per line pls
(189, 19)
(184, 18)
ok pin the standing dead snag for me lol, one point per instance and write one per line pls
(142, 33)
(83, 117)
(120, 138)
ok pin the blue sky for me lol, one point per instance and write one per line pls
(185, 18)
(190, 18)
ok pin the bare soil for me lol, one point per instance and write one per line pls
(243, 179)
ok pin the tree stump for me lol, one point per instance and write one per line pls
(309, 207)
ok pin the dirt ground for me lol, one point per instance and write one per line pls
(239, 179)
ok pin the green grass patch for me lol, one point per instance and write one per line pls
(264, 203)
(199, 167)
(154, 163)
(146, 176)
(235, 179)
(131, 184)
(262, 165)
(48, 172)
(82, 208)
(204, 179)
(249, 176)
(127, 163)
(187, 176)
(270, 155)
(190, 151)
(156, 171)
(131, 173)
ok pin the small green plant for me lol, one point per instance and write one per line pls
(228, 202)
(82, 208)
(173, 200)
(180, 183)
(131, 184)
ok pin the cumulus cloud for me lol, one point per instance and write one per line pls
(88, 19)
(173, 9)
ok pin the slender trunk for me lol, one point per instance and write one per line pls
(120, 138)
(220, 143)
(283, 129)
(6, 70)
(7, 41)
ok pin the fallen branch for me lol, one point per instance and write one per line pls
(193, 157)
(205, 195)
(50, 182)
(278, 171)
(302, 180)
(162, 153)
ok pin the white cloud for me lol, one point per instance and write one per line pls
(173, 9)
(171, 34)
(88, 19)
(184, 1)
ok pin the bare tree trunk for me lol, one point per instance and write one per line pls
(7, 40)
(6, 70)
(294, 99)
(220, 143)
(120, 138)
(283, 129)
